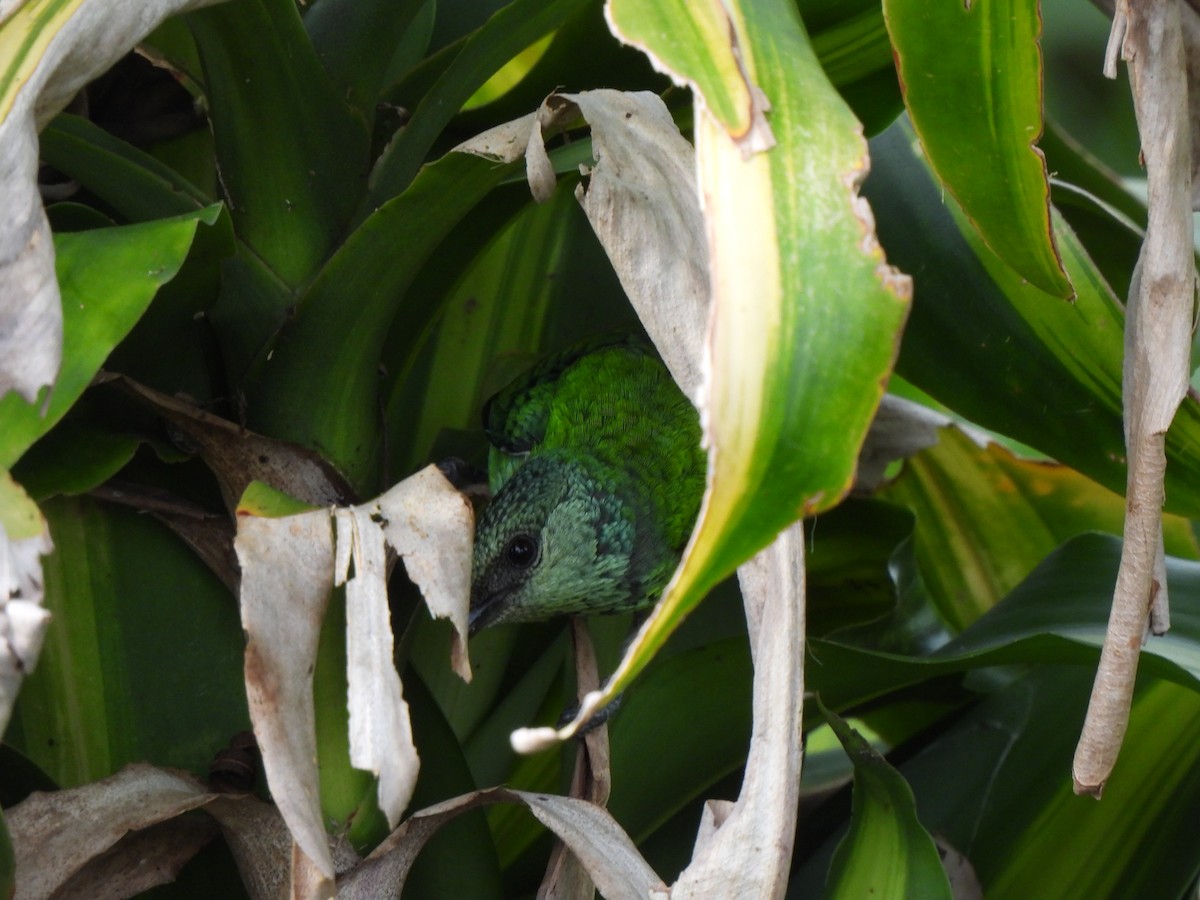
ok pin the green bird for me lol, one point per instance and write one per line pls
(596, 473)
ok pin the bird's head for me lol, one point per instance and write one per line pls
(553, 541)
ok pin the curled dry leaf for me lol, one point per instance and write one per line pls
(1158, 332)
(59, 51)
(78, 836)
(238, 456)
(900, 429)
(642, 202)
(605, 850)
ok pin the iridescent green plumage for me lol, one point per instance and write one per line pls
(597, 474)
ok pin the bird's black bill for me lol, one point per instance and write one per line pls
(486, 613)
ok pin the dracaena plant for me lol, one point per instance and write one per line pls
(902, 258)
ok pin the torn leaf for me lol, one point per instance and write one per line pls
(381, 738)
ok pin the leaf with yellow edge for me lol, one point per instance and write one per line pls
(972, 77)
(698, 52)
(806, 313)
(986, 519)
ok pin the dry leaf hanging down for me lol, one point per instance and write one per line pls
(289, 568)
(640, 197)
(745, 848)
(1152, 38)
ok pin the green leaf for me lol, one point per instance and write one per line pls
(355, 41)
(261, 499)
(348, 795)
(986, 518)
(460, 860)
(1058, 614)
(987, 343)
(994, 783)
(806, 313)
(1071, 162)
(124, 674)
(848, 561)
(319, 385)
(108, 278)
(856, 54)
(693, 41)
(74, 458)
(1012, 810)
(656, 718)
(509, 31)
(491, 294)
(582, 55)
(129, 180)
(20, 518)
(972, 80)
(292, 172)
(887, 853)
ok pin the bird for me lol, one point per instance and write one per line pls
(597, 472)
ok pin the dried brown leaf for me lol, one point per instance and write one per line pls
(238, 456)
(1158, 330)
(745, 849)
(58, 836)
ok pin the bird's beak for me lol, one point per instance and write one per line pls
(487, 611)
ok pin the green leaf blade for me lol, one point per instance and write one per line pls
(887, 853)
(292, 172)
(319, 385)
(971, 75)
(807, 313)
(108, 278)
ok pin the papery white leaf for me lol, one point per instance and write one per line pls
(430, 524)
(287, 568)
(381, 738)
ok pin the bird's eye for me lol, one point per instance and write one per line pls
(521, 551)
